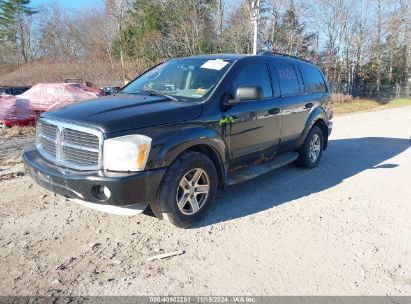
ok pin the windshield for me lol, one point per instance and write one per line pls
(186, 79)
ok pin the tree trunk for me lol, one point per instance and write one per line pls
(22, 39)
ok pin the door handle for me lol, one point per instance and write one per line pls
(274, 111)
(309, 105)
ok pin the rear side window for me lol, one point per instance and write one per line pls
(255, 74)
(314, 81)
(288, 79)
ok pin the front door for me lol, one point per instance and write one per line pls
(255, 124)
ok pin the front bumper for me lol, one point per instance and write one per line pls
(127, 189)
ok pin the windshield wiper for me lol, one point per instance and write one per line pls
(157, 93)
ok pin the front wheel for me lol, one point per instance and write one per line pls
(188, 189)
(312, 149)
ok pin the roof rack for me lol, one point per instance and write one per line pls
(269, 53)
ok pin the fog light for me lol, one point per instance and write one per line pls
(100, 192)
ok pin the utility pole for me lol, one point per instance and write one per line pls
(220, 16)
(255, 14)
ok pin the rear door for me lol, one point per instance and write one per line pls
(315, 84)
(255, 124)
(295, 104)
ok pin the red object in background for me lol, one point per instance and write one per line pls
(22, 123)
(15, 111)
(51, 96)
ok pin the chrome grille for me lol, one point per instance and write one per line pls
(80, 157)
(49, 131)
(48, 145)
(47, 138)
(81, 139)
(69, 145)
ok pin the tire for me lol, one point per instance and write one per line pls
(194, 202)
(306, 159)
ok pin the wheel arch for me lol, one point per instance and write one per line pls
(324, 129)
(316, 118)
(213, 155)
(198, 139)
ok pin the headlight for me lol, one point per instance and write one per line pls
(126, 153)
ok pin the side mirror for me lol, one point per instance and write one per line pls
(247, 93)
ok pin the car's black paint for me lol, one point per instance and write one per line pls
(126, 188)
(121, 112)
(233, 135)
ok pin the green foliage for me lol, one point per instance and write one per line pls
(11, 14)
(168, 28)
(290, 34)
(12, 27)
(332, 34)
(393, 67)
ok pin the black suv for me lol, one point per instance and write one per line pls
(173, 136)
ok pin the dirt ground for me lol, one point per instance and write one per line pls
(340, 229)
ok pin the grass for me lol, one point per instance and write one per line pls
(17, 131)
(348, 105)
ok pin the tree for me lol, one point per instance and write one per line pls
(356, 42)
(237, 37)
(157, 30)
(13, 27)
(117, 11)
(289, 35)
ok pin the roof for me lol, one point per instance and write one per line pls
(235, 57)
(282, 56)
(220, 56)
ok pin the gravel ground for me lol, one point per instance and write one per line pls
(340, 229)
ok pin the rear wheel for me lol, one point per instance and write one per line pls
(188, 189)
(312, 149)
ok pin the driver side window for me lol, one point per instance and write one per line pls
(255, 74)
(169, 81)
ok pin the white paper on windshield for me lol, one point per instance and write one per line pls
(216, 64)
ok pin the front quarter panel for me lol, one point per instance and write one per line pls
(170, 141)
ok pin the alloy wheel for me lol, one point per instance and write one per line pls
(193, 191)
(315, 147)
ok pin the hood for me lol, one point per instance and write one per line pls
(123, 112)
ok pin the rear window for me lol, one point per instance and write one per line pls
(288, 79)
(314, 81)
